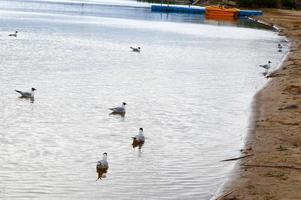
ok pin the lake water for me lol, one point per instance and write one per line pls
(190, 88)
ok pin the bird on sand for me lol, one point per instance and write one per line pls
(102, 166)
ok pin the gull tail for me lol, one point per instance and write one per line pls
(18, 91)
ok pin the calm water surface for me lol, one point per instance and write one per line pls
(190, 89)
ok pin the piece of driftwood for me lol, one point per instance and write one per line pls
(272, 166)
(241, 157)
(224, 195)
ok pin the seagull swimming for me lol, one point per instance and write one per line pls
(138, 49)
(139, 139)
(119, 110)
(266, 66)
(27, 94)
(13, 34)
(102, 166)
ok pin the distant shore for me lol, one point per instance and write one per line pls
(274, 139)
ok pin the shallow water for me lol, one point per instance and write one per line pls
(190, 89)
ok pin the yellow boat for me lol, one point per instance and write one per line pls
(221, 12)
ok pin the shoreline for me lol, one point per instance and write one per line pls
(274, 136)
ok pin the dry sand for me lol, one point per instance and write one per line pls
(274, 172)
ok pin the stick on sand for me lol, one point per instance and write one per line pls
(241, 157)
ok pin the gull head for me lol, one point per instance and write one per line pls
(105, 155)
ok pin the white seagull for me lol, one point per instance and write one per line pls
(139, 139)
(102, 166)
(266, 66)
(119, 110)
(27, 94)
(13, 34)
(138, 49)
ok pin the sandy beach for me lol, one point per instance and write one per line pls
(274, 141)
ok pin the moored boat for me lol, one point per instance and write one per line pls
(221, 11)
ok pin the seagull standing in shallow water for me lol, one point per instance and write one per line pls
(139, 139)
(266, 66)
(27, 94)
(138, 49)
(279, 46)
(119, 110)
(13, 34)
(102, 166)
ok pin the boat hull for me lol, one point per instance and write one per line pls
(221, 12)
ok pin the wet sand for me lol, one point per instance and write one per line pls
(274, 171)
